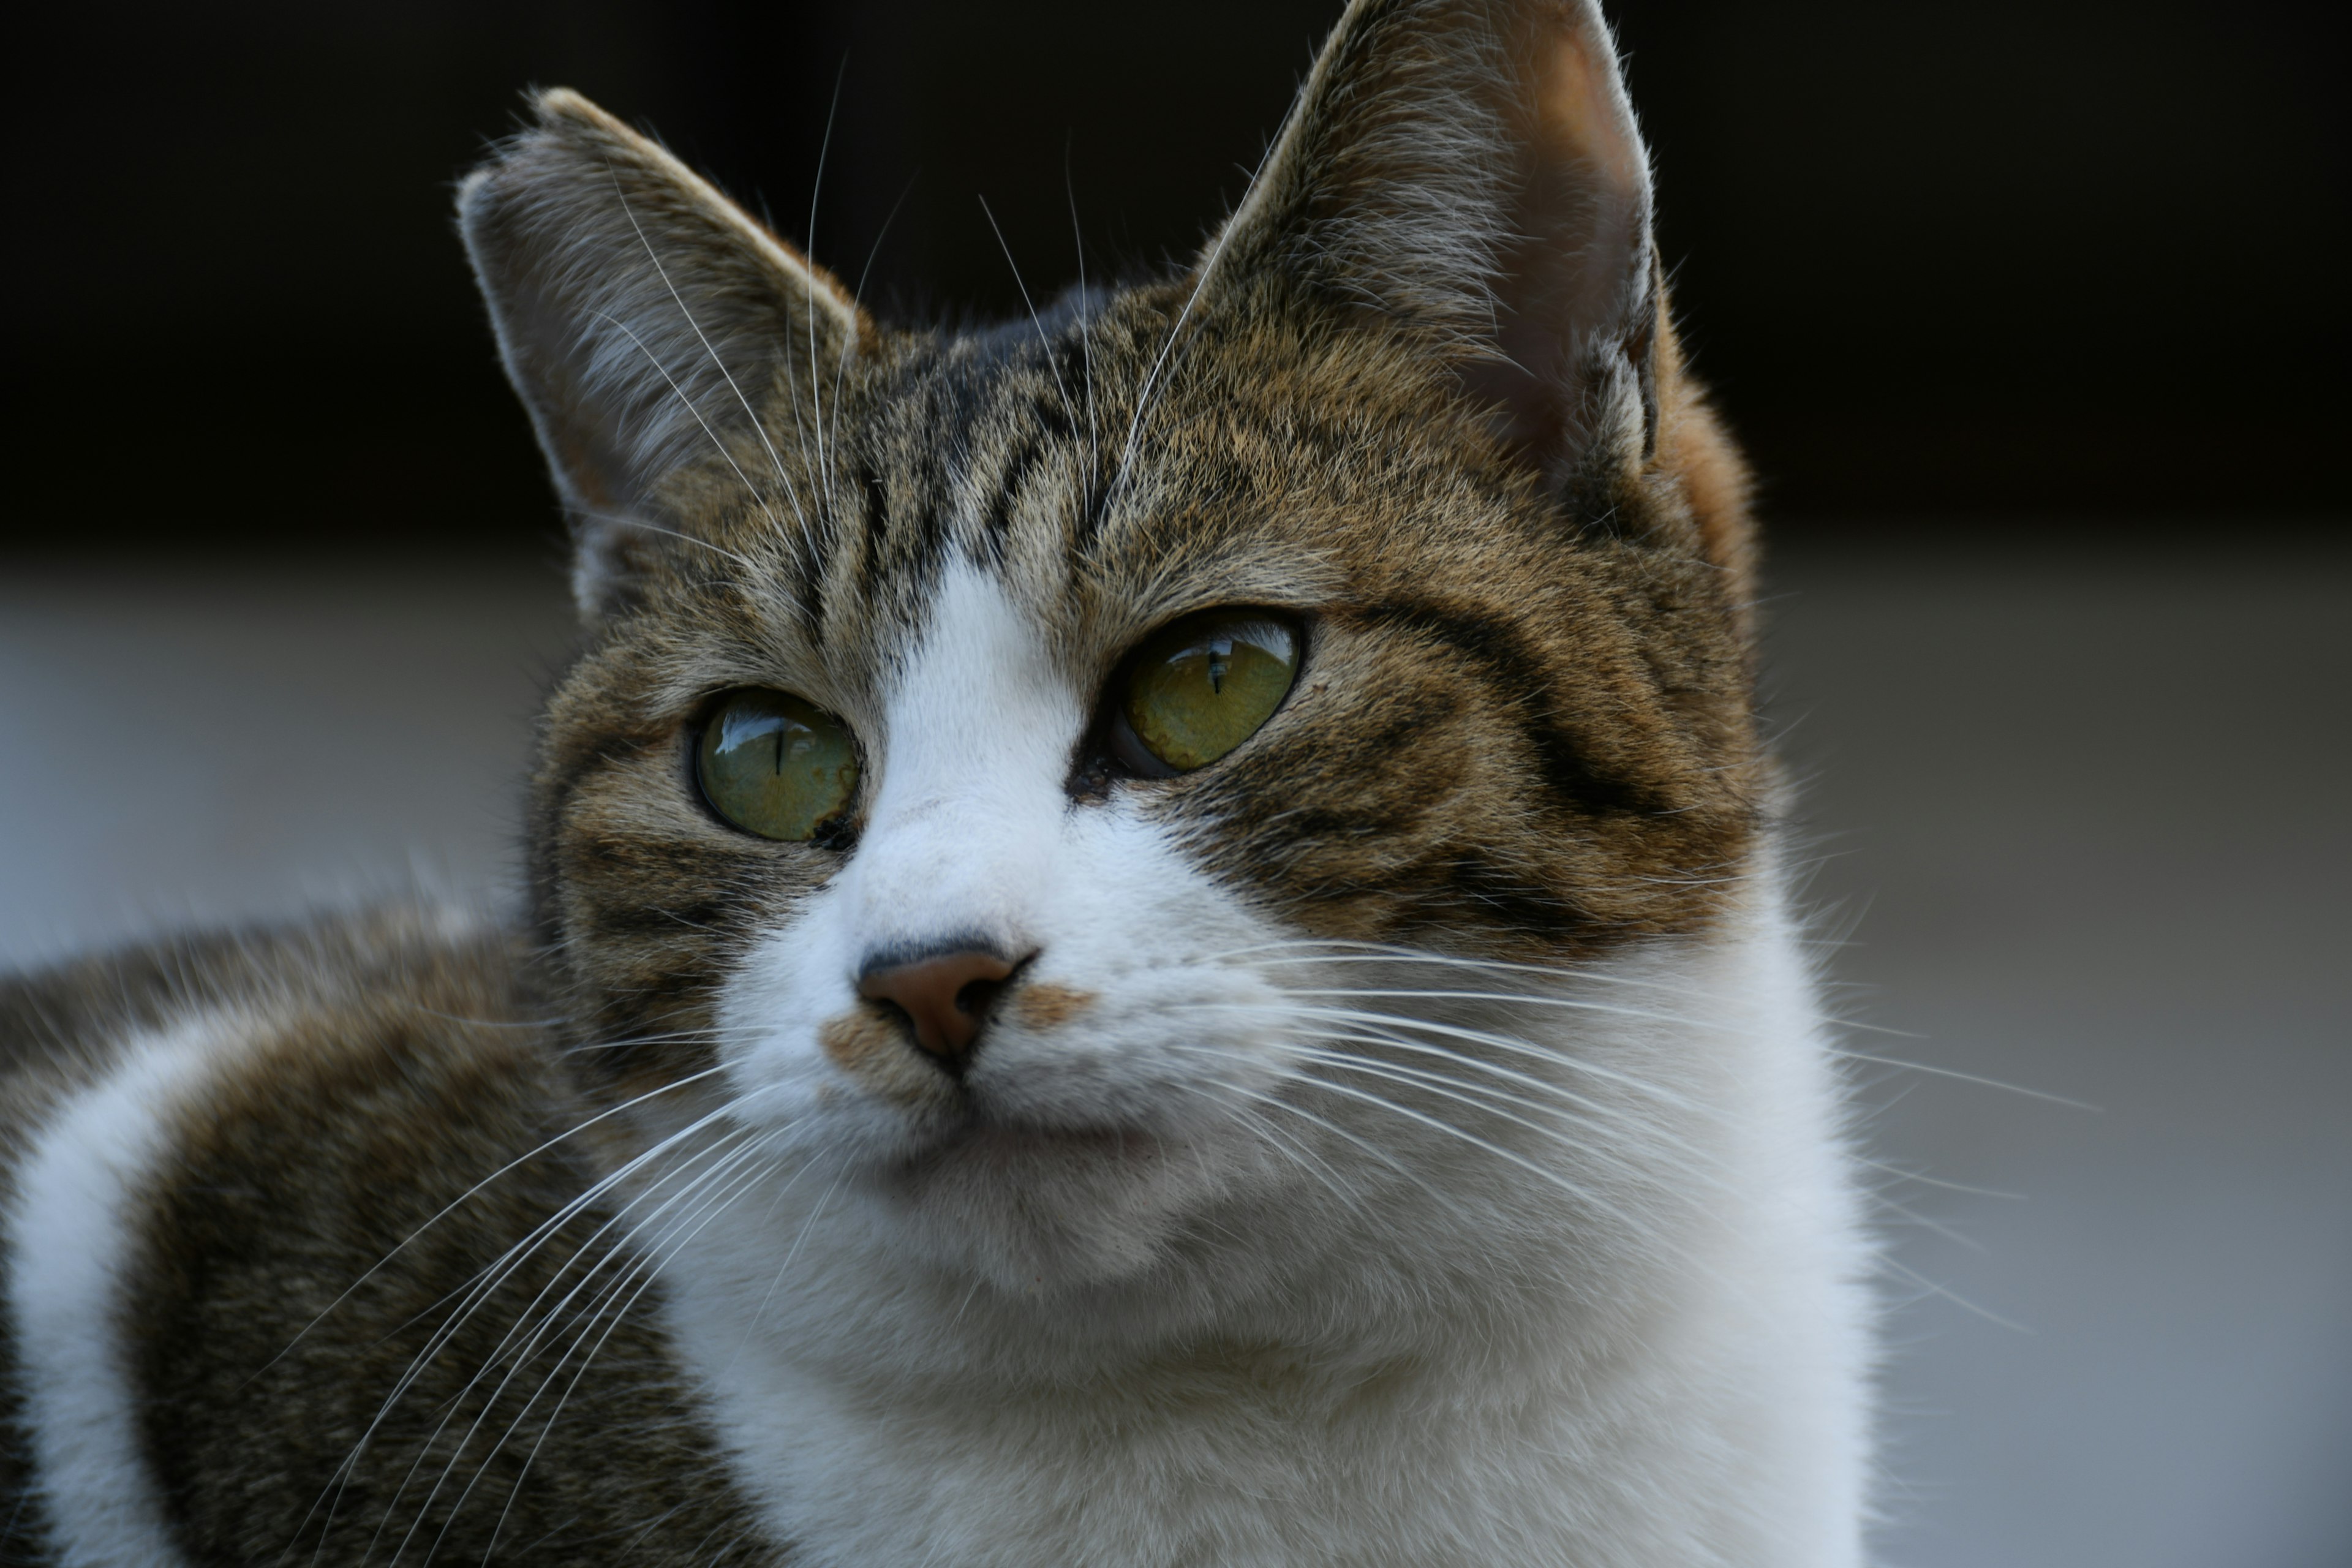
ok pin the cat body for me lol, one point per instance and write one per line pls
(1245, 1013)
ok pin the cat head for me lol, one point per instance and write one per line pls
(997, 755)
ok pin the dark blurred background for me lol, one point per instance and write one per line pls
(2074, 257)
(2033, 316)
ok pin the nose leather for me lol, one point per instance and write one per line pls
(943, 995)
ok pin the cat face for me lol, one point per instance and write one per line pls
(1043, 994)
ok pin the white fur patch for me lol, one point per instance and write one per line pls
(70, 1237)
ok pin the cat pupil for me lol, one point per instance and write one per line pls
(1221, 653)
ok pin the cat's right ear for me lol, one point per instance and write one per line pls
(647, 320)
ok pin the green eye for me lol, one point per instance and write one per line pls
(775, 766)
(1203, 687)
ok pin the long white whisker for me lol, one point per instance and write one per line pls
(643, 1272)
(1143, 397)
(1319, 950)
(593, 1259)
(1297, 1154)
(790, 1252)
(487, 1280)
(1577, 1108)
(1452, 1031)
(1971, 1078)
(1085, 334)
(462, 1197)
(536, 1333)
(1460, 1093)
(816, 190)
(1558, 1091)
(1957, 1300)
(1532, 999)
(1069, 410)
(1550, 1178)
(1905, 1212)
(1903, 1175)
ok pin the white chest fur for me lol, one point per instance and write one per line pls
(1656, 1358)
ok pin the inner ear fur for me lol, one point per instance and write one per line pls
(647, 322)
(1471, 172)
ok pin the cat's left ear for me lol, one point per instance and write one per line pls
(1470, 170)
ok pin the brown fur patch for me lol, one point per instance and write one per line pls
(872, 1044)
(1046, 1005)
(324, 1221)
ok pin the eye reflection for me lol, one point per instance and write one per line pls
(1203, 686)
(776, 765)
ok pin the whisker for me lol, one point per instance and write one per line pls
(790, 1252)
(487, 1280)
(465, 1196)
(1901, 1174)
(1085, 334)
(628, 520)
(1335, 949)
(591, 1258)
(1069, 411)
(1532, 999)
(1971, 1078)
(1956, 1300)
(546, 1324)
(1597, 1116)
(1143, 397)
(1559, 1092)
(643, 1273)
(1916, 1217)
(816, 190)
(1461, 1094)
(1551, 1178)
(1475, 1036)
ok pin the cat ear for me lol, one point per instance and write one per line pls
(643, 318)
(1473, 171)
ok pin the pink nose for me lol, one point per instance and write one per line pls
(943, 995)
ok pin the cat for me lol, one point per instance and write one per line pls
(1157, 935)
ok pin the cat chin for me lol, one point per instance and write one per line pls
(1033, 1209)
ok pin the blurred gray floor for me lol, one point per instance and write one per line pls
(2081, 818)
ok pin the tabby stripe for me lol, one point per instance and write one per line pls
(594, 754)
(808, 582)
(625, 919)
(874, 517)
(998, 523)
(1481, 881)
(1520, 682)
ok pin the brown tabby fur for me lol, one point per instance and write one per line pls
(303, 1253)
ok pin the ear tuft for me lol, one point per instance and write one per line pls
(646, 320)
